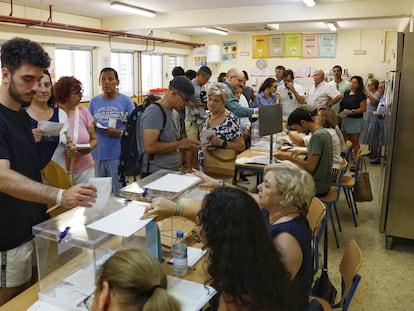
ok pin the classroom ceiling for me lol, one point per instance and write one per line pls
(191, 17)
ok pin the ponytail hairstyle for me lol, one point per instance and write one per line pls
(138, 281)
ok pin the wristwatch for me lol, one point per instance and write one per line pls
(224, 144)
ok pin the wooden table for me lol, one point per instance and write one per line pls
(27, 298)
(252, 167)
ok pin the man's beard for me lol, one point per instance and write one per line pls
(16, 95)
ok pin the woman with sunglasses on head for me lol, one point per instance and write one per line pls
(266, 94)
(132, 279)
(50, 148)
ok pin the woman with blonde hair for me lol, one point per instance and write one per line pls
(327, 119)
(132, 279)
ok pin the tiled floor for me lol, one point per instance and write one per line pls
(387, 275)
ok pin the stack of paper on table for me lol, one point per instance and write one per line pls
(174, 183)
(264, 159)
(191, 295)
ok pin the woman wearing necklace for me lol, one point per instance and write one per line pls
(50, 148)
(285, 195)
(222, 125)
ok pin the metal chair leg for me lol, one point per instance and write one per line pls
(328, 207)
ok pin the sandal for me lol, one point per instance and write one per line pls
(352, 168)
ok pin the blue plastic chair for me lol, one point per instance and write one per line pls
(332, 198)
(350, 264)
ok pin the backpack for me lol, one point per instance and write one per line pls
(132, 148)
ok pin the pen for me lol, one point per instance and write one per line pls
(145, 193)
(63, 234)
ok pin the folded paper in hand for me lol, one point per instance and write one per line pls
(51, 128)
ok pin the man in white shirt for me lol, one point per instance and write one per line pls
(322, 94)
(340, 84)
(290, 94)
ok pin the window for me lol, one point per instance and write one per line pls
(78, 63)
(151, 65)
(123, 63)
(174, 61)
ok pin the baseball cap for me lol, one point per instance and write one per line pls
(184, 85)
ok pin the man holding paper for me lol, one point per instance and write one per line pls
(23, 197)
(110, 111)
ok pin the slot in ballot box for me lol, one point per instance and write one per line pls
(71, 247)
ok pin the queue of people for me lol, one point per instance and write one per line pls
(279, 234)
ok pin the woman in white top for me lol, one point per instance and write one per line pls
(327, 119)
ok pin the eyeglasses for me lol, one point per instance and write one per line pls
(87, 302)
(290, 95)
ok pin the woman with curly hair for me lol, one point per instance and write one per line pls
(243, 263)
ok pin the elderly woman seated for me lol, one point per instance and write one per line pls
(284, 197)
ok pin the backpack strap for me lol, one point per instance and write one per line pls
(164, 121)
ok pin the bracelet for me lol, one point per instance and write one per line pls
(177, 209)
(59, 196)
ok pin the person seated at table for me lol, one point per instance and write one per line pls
(243, 264)
(132, 279)
(223, 123)
(327, 119)
(266, 94)
(284, 197)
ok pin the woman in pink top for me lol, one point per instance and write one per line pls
(68, 92)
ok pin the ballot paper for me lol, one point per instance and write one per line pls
(104, 187)
(264, 159)
(174, 183)
(51, 128)
(123, 222)
(193, 255)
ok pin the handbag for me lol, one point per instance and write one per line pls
(363, 191)
(323, 287)
(219, 161)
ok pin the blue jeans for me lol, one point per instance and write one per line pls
(109, 168)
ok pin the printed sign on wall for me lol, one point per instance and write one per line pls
(229, 55)
(260, 46)
(310, 45)
(293, 45)
(327, 45)
(276, 45)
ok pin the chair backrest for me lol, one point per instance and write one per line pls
(342, 170)
(350, 264)
(317, 222)
(315, 216)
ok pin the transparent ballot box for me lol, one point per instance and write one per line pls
(71, 247)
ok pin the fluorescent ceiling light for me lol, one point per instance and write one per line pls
(273, 26)
(331, 26)
(132, 9)
(217, 31)
(309, 3)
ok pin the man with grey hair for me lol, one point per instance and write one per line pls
(234, 79)
(322, 94)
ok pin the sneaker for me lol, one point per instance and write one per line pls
(376, 162)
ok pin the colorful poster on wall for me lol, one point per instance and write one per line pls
(327, 45)
(260, 46)
(229, 55)
(310, 45)
(293, 45)
(276, 45)
(200, 57)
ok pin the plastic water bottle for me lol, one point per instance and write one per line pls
(255, 138)
(179, 254)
